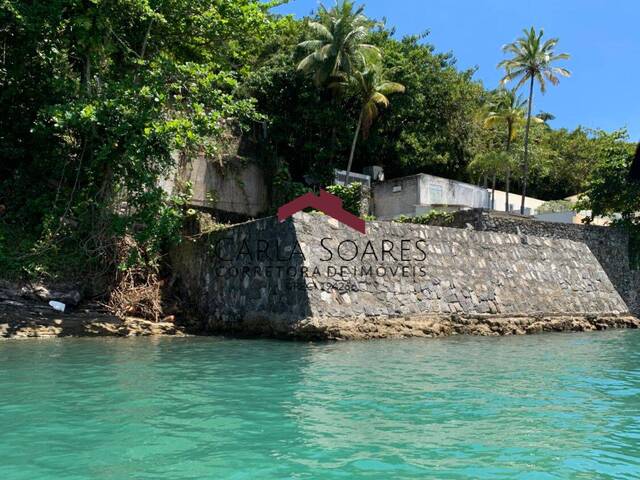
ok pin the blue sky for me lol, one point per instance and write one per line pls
(603, 38)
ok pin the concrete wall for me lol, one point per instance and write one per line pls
(396, 197)
(239, 188)
(438, 191)
(313, 277)
(231, 184)
(557, 217)
(609, 245)
(418, 194)
(531, 204)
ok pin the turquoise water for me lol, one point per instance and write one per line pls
(530, 407)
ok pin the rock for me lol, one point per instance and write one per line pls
(71, 297)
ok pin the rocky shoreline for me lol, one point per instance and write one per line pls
(26, 313)
(364, 328)
(33, 321)
(29, 323)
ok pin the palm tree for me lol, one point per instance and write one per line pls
(507, 109)
(532, 60)
(373, 89)
(339, 47)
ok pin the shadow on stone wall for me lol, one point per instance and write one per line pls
(246, 279)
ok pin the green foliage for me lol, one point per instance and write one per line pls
(57, 261)
(609, 190)
(555, 206)
(351, 196)
(284, 188)
(434, 217)
(432, 128)
(337, 43)
(506, 110)
(491, 162)
(96, 96)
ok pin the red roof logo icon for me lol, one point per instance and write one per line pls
(326, 203)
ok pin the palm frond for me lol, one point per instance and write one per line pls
(543, 85)
(548, 74)
(307, 62)
(561, 71)
(310, 44)
(320, 30)
(387, 88)
(380, 99)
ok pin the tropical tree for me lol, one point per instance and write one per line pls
(507, 110)
(372, 88)
(546, 117)
(339, 48)
(531, 60)
(492, 163)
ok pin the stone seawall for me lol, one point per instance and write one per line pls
(311, 277)
(609, 245)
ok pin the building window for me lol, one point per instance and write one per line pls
(435, 194)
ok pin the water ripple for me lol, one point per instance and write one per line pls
(533, 407)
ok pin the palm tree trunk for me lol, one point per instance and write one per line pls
(525, 163)
(493, 192)
(353, 148)
(506, 201)
(506, 198)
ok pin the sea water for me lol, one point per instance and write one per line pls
(526, 407)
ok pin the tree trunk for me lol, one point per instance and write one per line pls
(493, 192)
(525, 163)
(506, 198)
(85, 79)
(143, 49)
(353, 148)
(506, 201)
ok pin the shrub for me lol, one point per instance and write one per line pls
(555, 206)
(351, 196)
(434, 217)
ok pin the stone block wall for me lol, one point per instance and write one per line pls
(609, 245)
(315, 278)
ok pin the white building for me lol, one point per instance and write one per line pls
(530, 204)
(421, 193)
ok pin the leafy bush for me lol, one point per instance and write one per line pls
(351, 196)
(284, 188)
(434, 217)
(555, 206)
